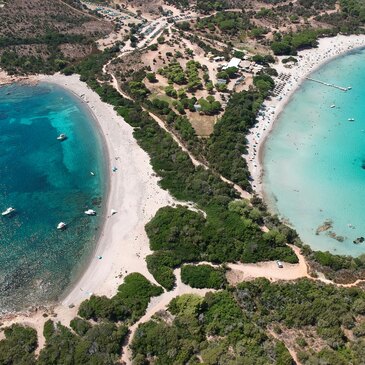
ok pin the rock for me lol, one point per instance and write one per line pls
(359, 240)
(324, 227)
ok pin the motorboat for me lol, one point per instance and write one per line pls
(62, 137)
(61, 225)
(92, 173)
(8, 211)
(333, 106)
(351, 119)
(90, 212)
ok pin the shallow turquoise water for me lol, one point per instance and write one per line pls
(313, 160)
(47, 181)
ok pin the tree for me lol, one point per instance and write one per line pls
(151, 77)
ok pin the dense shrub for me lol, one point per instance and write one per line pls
(203, 276)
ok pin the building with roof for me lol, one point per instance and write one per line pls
(234, 62)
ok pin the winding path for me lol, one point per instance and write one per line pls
(156, 305)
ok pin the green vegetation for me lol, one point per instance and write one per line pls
(228, 73)
(341, 269)
(209, 106)
(18, 346)
(192, 73)
(14, 62)
(231, 327)
(97, 344)
(227, 143)
(263, 60)
(151, 77)
(234, 338)
(174, 73)
(264, 84)
(129, 303)
(289, 44)
(203, 276)
(178, 235)
(184, 236)
(212, 5)
(45, 36)
(137, 89)
(182, 4)
(228, 23)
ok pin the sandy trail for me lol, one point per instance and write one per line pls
(158, 304)
(243, 272)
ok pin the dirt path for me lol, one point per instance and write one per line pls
(156, 305)
(83, 13)
(292, 352)
(243, 272)
(243, 194)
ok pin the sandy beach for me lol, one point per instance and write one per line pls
(289, 81)
(136, 196)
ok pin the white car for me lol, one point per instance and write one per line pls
(280, 264)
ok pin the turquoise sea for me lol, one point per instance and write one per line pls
(46, 181)
(314, 160)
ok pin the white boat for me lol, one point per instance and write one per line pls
(349, 87)
(8, 211)
(351, 119)
(333, 106)
(113, 211)
(90, 212)
(61, 225)
(92, 173)
(62, 137)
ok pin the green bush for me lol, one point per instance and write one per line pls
(203, 276)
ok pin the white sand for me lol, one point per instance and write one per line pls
(134, 194)
(308, 61)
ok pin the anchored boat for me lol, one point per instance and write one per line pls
(62, 137)
(8, 211)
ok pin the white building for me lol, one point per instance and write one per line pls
(234, 62)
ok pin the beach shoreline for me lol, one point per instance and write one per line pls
(309, 61)
(133, 192)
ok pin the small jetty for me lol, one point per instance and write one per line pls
(330, 85)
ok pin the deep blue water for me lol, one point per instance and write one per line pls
(315, 158)
(47, 182)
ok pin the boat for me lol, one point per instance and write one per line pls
(113, 211)
(62, 137)
(61, 225)
(92, 173)
(351, 119)
(90, 212)
(8, 211)
(349, 87)
(333, 106)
